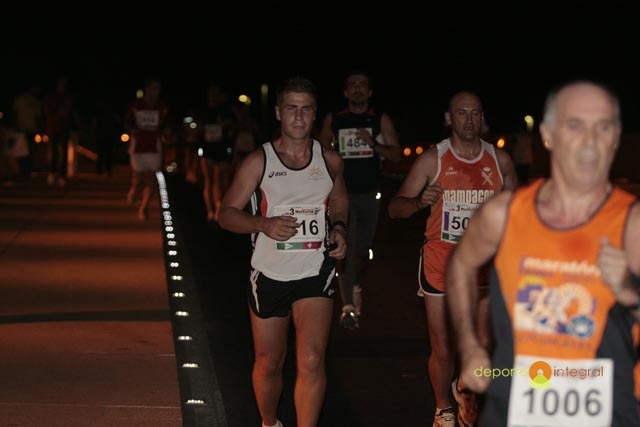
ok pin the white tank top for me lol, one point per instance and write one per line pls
(302, 193)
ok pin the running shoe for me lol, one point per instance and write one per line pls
(444, 418)
(467, 406)
(349, 317)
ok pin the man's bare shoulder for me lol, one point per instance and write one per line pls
(503, 157)
(428, 157)
(254, 158)
(632, 237)
(496, 208)
(331, 155)
(633, 222)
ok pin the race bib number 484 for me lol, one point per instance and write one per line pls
(352, 147)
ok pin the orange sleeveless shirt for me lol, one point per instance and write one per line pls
(466, 184)
(553, 292)
(548, 301)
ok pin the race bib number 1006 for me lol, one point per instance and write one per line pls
(561, 392)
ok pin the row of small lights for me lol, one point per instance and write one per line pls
(175, 277)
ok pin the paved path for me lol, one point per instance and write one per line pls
(85, 327)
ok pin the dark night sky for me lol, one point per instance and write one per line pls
(418, 54)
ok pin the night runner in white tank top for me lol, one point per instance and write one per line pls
(298, 209)
(301, 193)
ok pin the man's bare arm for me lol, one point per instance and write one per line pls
(476, 247)
(410, 198)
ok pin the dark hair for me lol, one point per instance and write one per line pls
(357, 71)
(296, 84)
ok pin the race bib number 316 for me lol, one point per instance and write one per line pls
(310, 233)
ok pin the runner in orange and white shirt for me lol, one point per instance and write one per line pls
(565, 293)
(452, 179)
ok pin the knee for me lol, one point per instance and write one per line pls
(311, 363)
(267, 365)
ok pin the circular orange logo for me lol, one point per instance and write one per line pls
(540, 374)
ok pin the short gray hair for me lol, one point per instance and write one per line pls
(551, 103)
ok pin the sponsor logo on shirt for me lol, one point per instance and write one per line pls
(273, 174)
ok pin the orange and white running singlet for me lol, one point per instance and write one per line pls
(564, 350)
(467, 184)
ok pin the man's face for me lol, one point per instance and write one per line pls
(357, 88)
(465, 117)
(296, 113)
(585, 136)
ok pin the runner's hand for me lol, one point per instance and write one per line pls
(281, 228)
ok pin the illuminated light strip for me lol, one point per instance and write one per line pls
(186, 338)
(190, 365)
